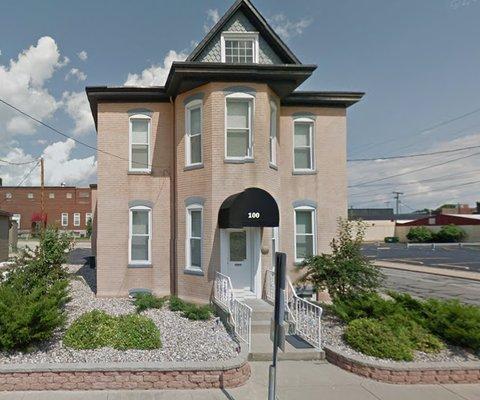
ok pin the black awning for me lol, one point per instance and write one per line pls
(252, 207)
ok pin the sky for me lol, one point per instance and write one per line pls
(417, 61)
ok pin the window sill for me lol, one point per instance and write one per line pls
(139, 172)
(139, 265)
(192, 167)
(273, 166)
(304, 172)
(238, 160)
(193, 271)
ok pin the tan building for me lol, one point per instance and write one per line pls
(223, 166)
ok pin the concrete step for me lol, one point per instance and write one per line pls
(262, 316)
(261, 327)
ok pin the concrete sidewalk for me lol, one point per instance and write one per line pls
(296, 380)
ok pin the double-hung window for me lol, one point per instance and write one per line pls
(193, 137)
(64, 219)
(76, 219)
(140, 143)
(239, 47)
(273, 133)
(140, 235)
(194, 237)
(303, 139)
(305, 238)
(239, 116)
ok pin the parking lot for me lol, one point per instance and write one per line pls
(451, 257)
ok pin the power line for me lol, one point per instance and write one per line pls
(17, 163)
(24, 178)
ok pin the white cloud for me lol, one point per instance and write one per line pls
(82, 55)
(77, 107)
(75, 73)
(427, 188)
(155, 75)
(22, 83)
(59, 166)
(287, 28)
(212, 18)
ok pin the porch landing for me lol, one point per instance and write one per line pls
(262, 347)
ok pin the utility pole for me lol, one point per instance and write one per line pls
(42, 191)
(397, 195)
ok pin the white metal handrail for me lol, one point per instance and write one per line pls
(305, 316)
(240, 313)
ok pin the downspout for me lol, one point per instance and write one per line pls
(173, 230)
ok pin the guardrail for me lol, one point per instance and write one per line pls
(240, 313)
(433, 246)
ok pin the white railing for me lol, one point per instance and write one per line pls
(305, 316)
(240, 313)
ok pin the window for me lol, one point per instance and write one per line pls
(304, 233)
(431, 221)
(17, 218)
(51, 195)
(140, 235)
(140, 143)
(194, 237)
(303, 144)
(88, 217)
(84, 195)
(273, 133)
(76, 219)
(193, 132)
(239, 47)
(64, 219)
(238, 143)
(69, 195)
(8, 195)
(30, 195)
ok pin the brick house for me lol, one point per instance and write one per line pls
(215, 171)
(67, 207)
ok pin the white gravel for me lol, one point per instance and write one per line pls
(332, 335)
(182, 339)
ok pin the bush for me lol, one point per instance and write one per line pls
(391, 239)
(377, 339)
(145, 301)
(97, 329)
(420, 234)
(189, 310)
(345, 272)
(449, 234)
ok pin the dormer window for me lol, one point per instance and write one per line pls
(239, 47)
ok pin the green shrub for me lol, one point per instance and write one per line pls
(420, 234)
(145, 301)
(344, 272)
(391, 239)
(449, 234)
(377, 339)
(97, 329)
(189, 310)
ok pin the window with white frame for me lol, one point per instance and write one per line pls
(30, 195)
(88, 217)
(51, 195)
(303, 144)
(76, 219)
(239, 117)
(140, 143)
(273, 132)
(305, 238)
(239, 47)
(8, 195)
(193, 243)
(64, 219)
(193, 132)
(140, 235)
(69, 195)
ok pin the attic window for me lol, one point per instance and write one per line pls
(239, 47)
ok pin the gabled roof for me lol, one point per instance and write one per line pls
(260, 23)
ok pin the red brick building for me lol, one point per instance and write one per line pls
(67, 207)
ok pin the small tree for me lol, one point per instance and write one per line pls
(345, 271)
(450, 234)
(89, 228)
(420, 234)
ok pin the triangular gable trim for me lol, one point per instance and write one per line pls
(265, 30)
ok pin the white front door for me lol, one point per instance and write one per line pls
(239, 258)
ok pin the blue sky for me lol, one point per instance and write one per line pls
(418, 61)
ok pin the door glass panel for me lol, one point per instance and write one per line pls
(238, 246)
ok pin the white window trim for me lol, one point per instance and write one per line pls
(8, 195)
(239, 36)
(130, 214)
(51, 195)
(251, 111)
(87, 217)
(147, 168)
(189, 266)
(272, 140)
(314, 229)
(30, 196)
(76, 219)
(194, 104)
(312, 144)
(69, 196)
(66, 218)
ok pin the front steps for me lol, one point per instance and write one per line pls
(262, 346)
